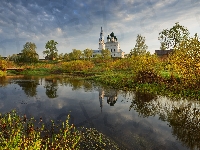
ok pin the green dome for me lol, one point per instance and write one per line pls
(112, 34)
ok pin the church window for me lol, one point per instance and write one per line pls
(114, 54)
(114, 50)
(111, 50)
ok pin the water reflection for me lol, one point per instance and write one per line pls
(110, 94)
(142, 103)
(51, 87)
(133, 119)
(28, 86)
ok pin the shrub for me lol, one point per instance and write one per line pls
(3, 65)
(147, 76)
(78, 65)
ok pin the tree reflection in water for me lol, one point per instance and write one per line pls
(51, 86)
(142, 103)
(29, 86)
(185, 123)
(182, 116)
(3, 81)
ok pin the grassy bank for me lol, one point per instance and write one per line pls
(19, 132)
(169, 86)
(138, 73)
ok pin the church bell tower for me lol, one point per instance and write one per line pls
(101, 40)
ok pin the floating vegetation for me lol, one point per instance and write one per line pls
(19, 132)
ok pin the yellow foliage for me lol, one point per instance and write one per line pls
(186, 57)
(3, 65)
(136, 63)
(78, 65)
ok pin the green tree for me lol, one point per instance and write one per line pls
(13, 57)
(163, 46)
(66, 57)
(51, 50)
(76, 54)
(88, 53)
(173, 36)
(140, 46)
(60, 56)
(105, 53)
(28, 54)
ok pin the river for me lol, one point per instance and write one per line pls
(134, 120)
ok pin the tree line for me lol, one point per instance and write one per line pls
(29, 54)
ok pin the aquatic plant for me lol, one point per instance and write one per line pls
(19, 132)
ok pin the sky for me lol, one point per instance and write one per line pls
(76, 24)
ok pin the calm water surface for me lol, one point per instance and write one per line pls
(134, 120)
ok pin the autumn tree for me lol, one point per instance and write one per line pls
(3, 65)
(186, 58)
(51, 50)
(140, 46)
(88, 53)
(170, 38)
(28, 54)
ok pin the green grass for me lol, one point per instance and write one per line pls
(35, 72)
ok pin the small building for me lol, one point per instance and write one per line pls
(163, 54)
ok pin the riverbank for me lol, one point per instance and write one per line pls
(146, 73)
(146, 81)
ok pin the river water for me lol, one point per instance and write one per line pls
(134, 120)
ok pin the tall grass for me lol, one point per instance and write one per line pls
(18, 132)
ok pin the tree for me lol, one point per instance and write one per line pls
(60, 56)
(3, 65)
(28, 54)
(13, 57)
(88, 53)
(186, 58)
(105, 53)
(140, 46)
(163, 46)
(66, 57)
(51, 50)
(76, 54)
(172, 37)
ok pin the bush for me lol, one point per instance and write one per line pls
(147, 76)
(3, 65)
(78, 65)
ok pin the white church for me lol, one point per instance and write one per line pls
(112, 45)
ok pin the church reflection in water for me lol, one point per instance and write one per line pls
(110, 95)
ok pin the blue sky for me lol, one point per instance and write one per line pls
(76, 24)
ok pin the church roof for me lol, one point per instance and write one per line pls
(163, 52)
(96, 51)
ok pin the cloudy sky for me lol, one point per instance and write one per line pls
(76, 24)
